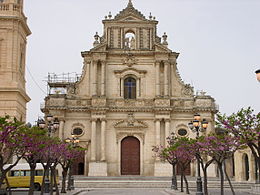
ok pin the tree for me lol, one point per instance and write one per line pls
(68, 153)
(245, 124)
(185, 152)
(11, 137)
(49, 158)
(34, 144)
(220, 148)
(166, 154)
(204, 162)
(180, 150)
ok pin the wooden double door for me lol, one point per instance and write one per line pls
(130, 156)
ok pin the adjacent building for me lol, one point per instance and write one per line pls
(13, 39)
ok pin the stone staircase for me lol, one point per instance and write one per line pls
(147, 182)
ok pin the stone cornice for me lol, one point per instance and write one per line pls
(18, 18)
(22, 93)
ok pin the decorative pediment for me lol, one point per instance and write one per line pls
(161, 48)
(100, 48)
(130, 71)
(130, 123)
(130, 13)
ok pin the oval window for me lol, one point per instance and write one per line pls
(182, 132)
(77, 131)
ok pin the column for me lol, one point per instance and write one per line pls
(157, 132)
(138, 87)
(166, 80)
(167, 130)
(122, 87)
(157, 78)
(103, 141)
(172, 79)
(103, 78)
(88, 74)
(87, 69)
(94, 78)
(93, 139)
(61, 129)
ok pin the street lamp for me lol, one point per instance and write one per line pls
(52, 124)
(258, 74)
(198, 126)
(74, 141)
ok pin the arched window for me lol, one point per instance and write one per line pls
(129, 88)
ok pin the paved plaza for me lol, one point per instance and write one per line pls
(152, 192)
(134, 191)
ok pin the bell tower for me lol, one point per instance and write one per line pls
(13, 39)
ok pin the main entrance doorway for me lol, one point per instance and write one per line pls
(130, 156)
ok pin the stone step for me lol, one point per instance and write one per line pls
(148, 182)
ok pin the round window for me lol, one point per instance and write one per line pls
(182, 132)
(77, 131)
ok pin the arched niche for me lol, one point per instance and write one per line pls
(130, 40)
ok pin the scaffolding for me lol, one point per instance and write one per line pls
(59, 83)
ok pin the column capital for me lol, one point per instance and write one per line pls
(103, 120)
(158, 61)
(93, 120)
(157, 119)
(167, 120)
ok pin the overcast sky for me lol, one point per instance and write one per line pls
(218, 42)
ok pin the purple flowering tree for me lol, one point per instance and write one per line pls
(245, 124)
(48, 158)
(68, 154)
(186, 153)
(220, 148)
(179, 151)
(204, 161)
(10, 145)
(166, 154)
(33, 145)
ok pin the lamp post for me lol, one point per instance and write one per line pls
(258, 75)
(258, 168)
(52, 125)
(198, 126)
(74, 141)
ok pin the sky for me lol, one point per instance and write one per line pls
(218, 42)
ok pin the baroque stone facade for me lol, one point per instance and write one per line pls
(13, 35)
(129, 98)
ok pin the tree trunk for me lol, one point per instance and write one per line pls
(51, 182)
(221, 178)
(43, 179)
(187, 184)
(69, 178)
(181, 182)
(32, 171)
(205, 179)
(230, 184)
(258, 170)
(2, 178)
(8, 186)
(53, 169)
(64, 176)
(174, 178)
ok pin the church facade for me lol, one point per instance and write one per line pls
(13, 40)
(129, 98)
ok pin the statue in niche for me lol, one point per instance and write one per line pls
(127, 43)
(130, 41)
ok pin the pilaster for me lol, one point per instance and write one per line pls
(93, 139)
